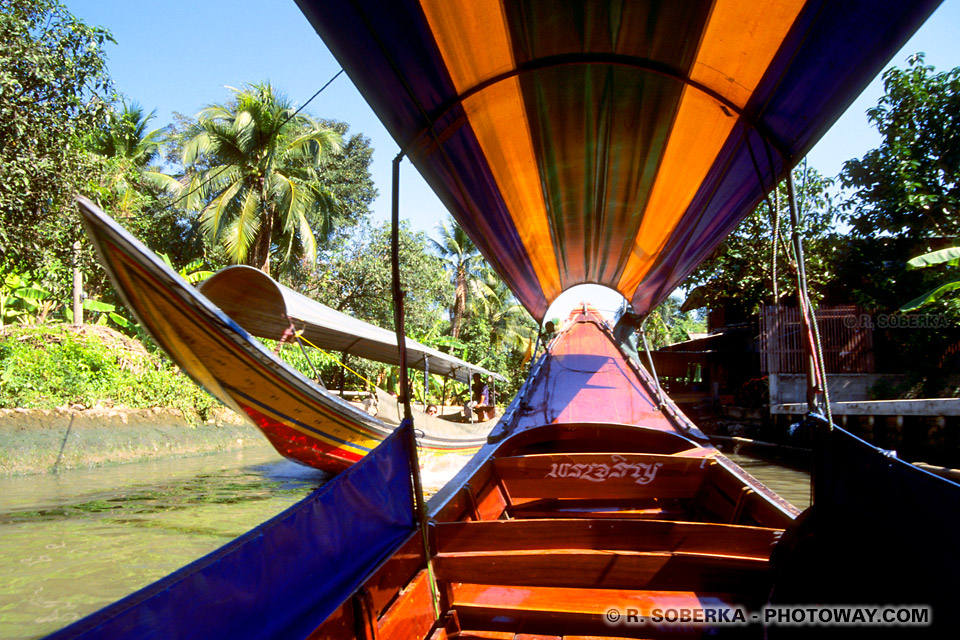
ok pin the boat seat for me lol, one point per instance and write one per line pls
(623, 476)
(604, 535)
(604, 553)
(635, 509)
(562, 612)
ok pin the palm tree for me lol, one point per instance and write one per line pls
(511, 326)
(463, 261)
(132, 151)
(254, 167)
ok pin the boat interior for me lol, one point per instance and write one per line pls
(561, 523)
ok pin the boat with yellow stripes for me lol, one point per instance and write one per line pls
(211, 334)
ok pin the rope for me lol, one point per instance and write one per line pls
(299, 336)
(186, 195)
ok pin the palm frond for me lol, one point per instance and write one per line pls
(241, 233)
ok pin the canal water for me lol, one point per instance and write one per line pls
(73, 542)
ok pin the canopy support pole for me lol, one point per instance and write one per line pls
(426, 382)
(815, 366)
(419, 503)
(653, 369)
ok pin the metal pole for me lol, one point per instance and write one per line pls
(426, 382)
(397, 291)
(419, 503)
(653, 370)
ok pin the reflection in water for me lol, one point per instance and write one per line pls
(73, 542)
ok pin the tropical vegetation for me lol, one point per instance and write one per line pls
(254, 174)
(258, 181)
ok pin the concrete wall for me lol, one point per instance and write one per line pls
(791, 388)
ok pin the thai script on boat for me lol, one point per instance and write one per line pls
(642, 472)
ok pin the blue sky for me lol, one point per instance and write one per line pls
(180, 55)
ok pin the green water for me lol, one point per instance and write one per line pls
(789, 482)
(73, 542)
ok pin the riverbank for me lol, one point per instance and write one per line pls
(50, 440)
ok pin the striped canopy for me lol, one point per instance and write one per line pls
(611, 142)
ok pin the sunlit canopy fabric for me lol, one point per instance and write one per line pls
(261, 305)
(614, 143)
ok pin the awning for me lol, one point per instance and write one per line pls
(261, 306)
(615, 143)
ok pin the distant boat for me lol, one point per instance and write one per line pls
(214, 345)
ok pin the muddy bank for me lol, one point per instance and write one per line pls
(40, 441)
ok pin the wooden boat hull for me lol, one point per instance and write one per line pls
(302, 421)
(544, 530)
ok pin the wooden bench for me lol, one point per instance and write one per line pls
(609, 554)
(572, 613)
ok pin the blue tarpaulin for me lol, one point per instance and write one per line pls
(283, 578)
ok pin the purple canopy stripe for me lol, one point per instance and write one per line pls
(614, 143)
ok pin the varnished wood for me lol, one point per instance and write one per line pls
(599, 569)
(607, 534)
(610, 475)
(394, 574)
(648, 509)
(569, 611)
(412, 615)
(340, 625)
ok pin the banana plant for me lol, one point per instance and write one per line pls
(23, 301)
(950, 257)
(107, 312)
(191, 272)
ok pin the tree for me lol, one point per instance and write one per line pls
(354, 276)
(950, 256)
(668, 324)
(54, 89)
(910, 185)
(462, 260)
(512, 327)
(254, 171)
(739, 272)
(131, 152)
(347, 175)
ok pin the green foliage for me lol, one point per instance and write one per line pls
(950, 256)
(254, 167)
(347, 175)
(353, 276)
(739, 272)
(668, 324)
(53, 91)
(129, 180)
(191, 272)
(53, 365)
(910, 185)
(463, 262)
(22, 301)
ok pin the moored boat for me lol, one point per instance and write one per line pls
(216, 347)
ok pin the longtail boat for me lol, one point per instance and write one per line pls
(210, 334)
(614, 143)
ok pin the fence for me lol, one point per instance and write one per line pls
(847, 341)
